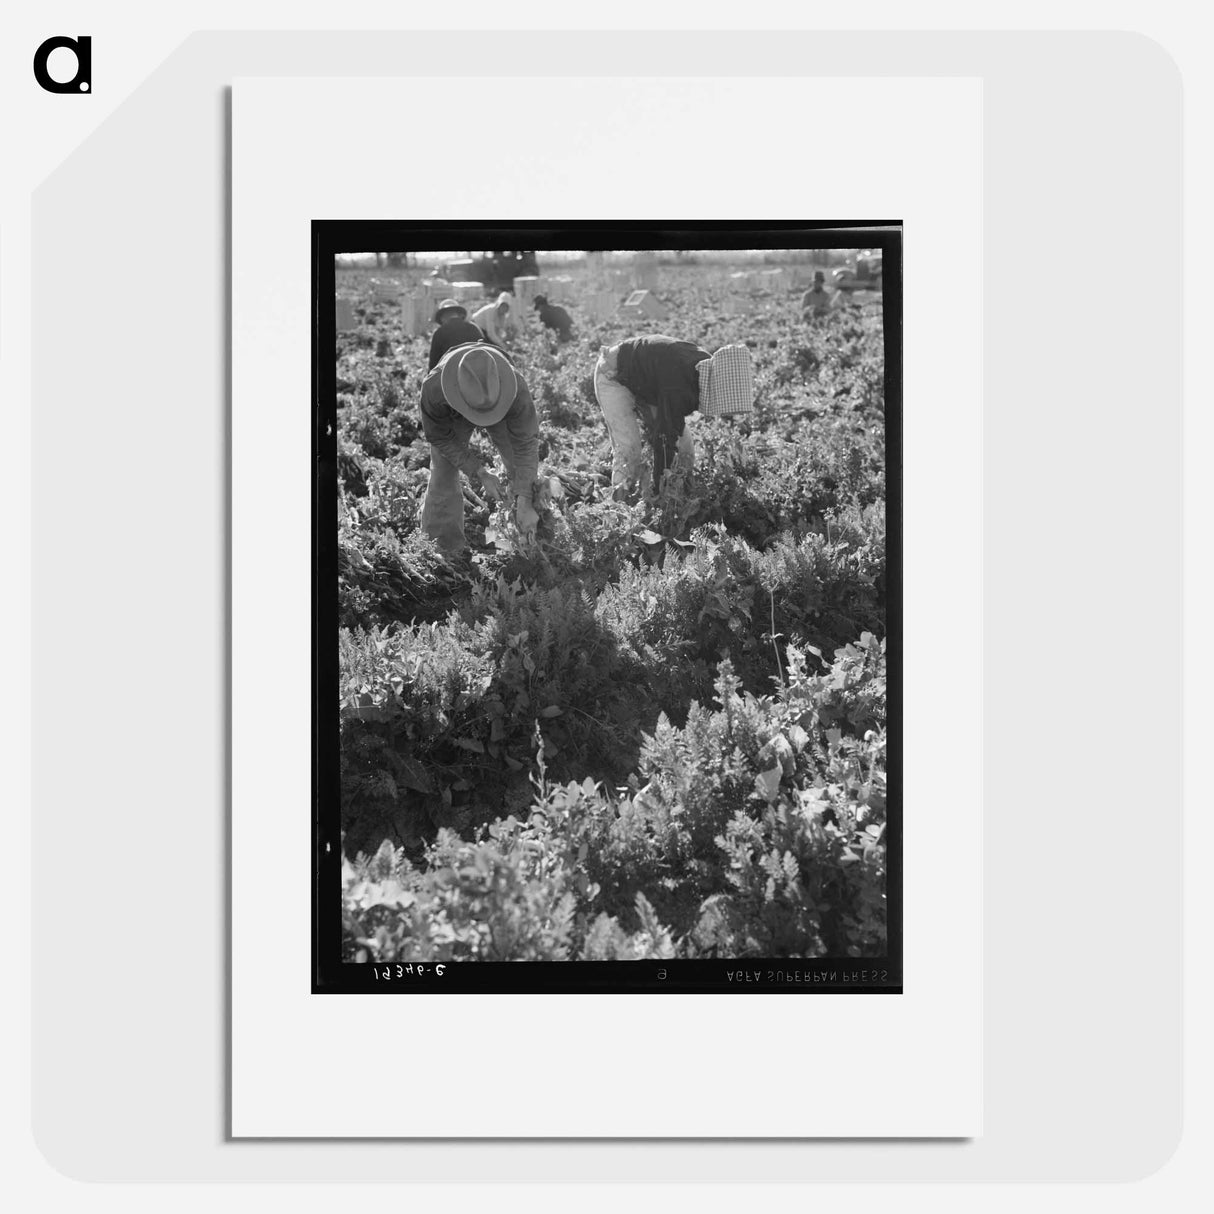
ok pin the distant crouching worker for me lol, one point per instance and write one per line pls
(661, 381)
(495, 319)
(554, 317)
(454, 329)
(477, 387)
(817, 301)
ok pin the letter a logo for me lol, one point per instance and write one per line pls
(82, 81)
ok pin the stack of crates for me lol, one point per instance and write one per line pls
(434, 291)
(645, 271)
(466, 291)
(416, 313)
(559, 289)
(526, 288)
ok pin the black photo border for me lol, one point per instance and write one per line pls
(330, 975)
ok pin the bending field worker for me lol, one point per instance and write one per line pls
(476, 386)
(660, 381)
(454, 329)
(495, 319)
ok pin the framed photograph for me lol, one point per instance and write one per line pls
(586, 640)
(155, 357)
(606, 601)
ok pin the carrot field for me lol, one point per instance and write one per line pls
(658, 732)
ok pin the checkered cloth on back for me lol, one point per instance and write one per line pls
(727, 382)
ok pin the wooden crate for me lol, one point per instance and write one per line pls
(433, 291)
(385, 291)
(417, 314)
(345, 314)
(526, 288)
(644, 305)
(436, 289)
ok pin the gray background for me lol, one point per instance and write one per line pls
(1082, 618)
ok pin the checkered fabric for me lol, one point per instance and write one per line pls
(727, 382)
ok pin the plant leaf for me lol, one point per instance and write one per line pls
(767, 783)
(412, 775)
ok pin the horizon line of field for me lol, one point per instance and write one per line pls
(576, 257)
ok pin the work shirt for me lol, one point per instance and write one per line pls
(817, 298)
(487, 318)
(553, 316)
(661, 373)
(452, 333)
(449, 432)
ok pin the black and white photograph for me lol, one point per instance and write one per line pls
(656, 599)
(606, 608)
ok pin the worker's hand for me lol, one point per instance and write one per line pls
(527, 518)
(491, 485)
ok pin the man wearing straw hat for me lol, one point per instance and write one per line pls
(454, 329)
(660, 381)
(475, 387)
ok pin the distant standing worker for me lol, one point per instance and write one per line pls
(554, 317)
(495, 319)
(454, 329)
(476, 387)
(817, 301)
(662, 381)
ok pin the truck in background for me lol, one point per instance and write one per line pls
(496, 269)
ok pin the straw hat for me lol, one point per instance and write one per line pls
(450, 305)
(478, 382)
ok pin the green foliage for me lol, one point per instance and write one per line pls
(759, 831)
(759, 485)
(382, 577)
(609, 744)
(519, 892)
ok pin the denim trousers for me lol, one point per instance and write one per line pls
(619, 407)
(442, 516)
